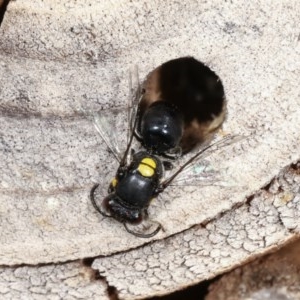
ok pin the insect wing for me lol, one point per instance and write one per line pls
(197, 171)
(132, 114)
(203, 174)
(135, 95)
(107, 133)
(106, 130)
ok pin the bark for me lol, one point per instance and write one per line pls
(57, 57)
(65, 281)
(273, 277)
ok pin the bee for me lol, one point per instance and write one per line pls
(140, 176)
(160, 129)
(131, 191)
(183, 105)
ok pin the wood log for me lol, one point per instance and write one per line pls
(58, 57)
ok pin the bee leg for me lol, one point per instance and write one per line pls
(110, 189)
(168, 165)
(144, 235)
(132, 151)
(158, 190)
(92, 192)
(174, 153)
(137, 134)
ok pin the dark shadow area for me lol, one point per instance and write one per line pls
(3, 7)
(111, 290)
(195, 292)
(88, 261)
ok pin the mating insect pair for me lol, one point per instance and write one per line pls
(182, 104)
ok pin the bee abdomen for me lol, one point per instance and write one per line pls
(195, 90)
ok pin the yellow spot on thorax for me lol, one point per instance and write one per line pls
(149, 161)
(114, 182)
(147, 167)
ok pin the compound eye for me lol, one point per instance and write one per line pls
(105, 206)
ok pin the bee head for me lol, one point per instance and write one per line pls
(161, 127)
(115, 208)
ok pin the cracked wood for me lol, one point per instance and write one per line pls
(53, 59)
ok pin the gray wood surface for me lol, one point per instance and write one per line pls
(56, 57)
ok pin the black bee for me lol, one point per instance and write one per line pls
(139, 177)
(160, 129)
(183, 105)
(136, 184)
(131, 191)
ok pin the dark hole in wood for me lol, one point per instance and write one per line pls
(3, 9)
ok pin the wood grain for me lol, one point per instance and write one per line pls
(56, 57)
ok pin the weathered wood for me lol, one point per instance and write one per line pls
(57, 56)
(64, 281)
(274, 277)
(262, 224)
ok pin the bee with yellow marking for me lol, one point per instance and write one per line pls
(135, 187)
(165, 122)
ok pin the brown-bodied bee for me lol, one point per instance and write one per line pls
(140, 176)
(183, 105)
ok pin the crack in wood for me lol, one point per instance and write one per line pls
(258, 199)
(111, 290)
(248, 201)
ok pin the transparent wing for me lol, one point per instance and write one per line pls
(197, 171)
(135, 95)
(207, 150)
(107, 133)
(103, 126)
(203, 174)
